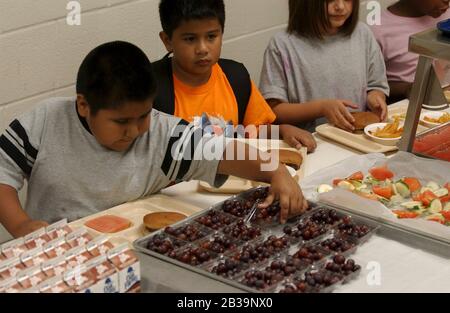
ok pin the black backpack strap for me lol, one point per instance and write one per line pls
(240, 82)
(165, 98)
(236, 73)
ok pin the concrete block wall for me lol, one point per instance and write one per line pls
(40, 53)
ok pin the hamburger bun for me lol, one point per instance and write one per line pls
(288, 157)
(157, 220)
(362, 119)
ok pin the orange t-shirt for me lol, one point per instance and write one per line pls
(216, 98)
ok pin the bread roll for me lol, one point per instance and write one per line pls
(362, 119)
(158, 220)
(288, 157)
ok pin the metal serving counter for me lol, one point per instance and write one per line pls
(427, 90)
(402, 263)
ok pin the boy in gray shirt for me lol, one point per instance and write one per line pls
(107, 146)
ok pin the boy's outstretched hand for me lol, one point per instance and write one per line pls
(285, 189)
(296, 137)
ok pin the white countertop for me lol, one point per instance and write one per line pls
(402, 268)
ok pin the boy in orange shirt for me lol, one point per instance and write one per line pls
(196, 81)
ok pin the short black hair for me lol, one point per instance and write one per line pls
(114, 73)
(173, 12)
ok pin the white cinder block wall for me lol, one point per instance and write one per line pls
(40, 53)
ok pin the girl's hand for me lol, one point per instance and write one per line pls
(297, 137)
(376, 102)
(337, 113)
(285, 189)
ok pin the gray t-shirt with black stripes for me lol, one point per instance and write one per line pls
(70, 175)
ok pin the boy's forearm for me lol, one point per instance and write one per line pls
(11, 213)
(254, 164)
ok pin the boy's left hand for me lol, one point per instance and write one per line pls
(296, 137)
(285, 189)
(376, 101)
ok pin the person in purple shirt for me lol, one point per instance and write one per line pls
(401, 20)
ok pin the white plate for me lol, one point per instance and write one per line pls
(435, 107)
(383, 141)
(402, 118)
(431, 114)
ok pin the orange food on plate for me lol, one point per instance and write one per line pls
(356, 176)
(445, 199)
(381, 173)
(437, 219)
(385, 192)
(108, 224)
(413, 183)
(405, 214)
(444, 118)
(426, 197)
(391, 130)
(446, 215)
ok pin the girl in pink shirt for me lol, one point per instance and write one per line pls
(398, 23)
